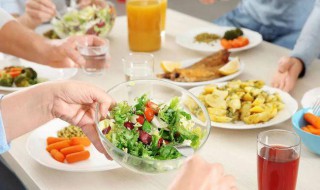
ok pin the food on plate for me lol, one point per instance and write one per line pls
(234, 39)
(170, 66)
(151, 130)
(78, 156)
(71, 131)
(51, 34)
(231, 67)
(203, 70)
(90, 20)
(313, 123)
(69, 150)
(206, 37)
(238, 101)
(18, 76)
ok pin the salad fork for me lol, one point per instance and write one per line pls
(316, 107)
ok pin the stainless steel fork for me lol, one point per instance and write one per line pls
(316, 107)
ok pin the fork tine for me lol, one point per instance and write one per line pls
(316, 106)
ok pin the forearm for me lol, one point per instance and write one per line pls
(307, 47)
(22, 42)
(27, 21)
(25, 110)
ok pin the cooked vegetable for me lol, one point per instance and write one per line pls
(51, 140)
(6, 79)
(23, 81)
(78, 156)
(20, 76)
(206, 37)
(80, 141)
(72, 149)
(58, 145)
(142, 129)
(71, 131)
(312, 119)
(29, 73)
(233, 34)
(57, 155)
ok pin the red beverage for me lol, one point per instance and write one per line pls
(277, 168)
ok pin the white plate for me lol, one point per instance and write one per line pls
(310, 97)
(187, 39)
(291, 106)
(44, 72)
(36, 147)
(187, 63)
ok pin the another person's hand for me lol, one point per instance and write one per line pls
(287, 73)
(38, 12)
(207, 1)
(85, 3)
(201, 175)
(76, 102)
(63, 53)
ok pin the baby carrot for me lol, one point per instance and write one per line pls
(306, 129)
(58, 145)
(78, 156)
(80, 140)
(312, 119)
(313, 130)
(57, 155)
(51, 140)
(72, 149)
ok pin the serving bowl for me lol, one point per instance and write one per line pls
(311, 141)
(160, 91)
(94, 20)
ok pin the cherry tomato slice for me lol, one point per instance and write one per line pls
(153, 106)
(140, 119)
(149, 114)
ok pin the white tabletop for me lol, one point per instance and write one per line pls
(235, 149)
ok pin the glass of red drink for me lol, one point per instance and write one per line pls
(278, 159)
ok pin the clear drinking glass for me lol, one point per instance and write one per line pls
(138, 66)
(96, 57)
(278, 159)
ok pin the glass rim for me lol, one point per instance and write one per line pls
(85, 45)
(282, 131)
(131, 54)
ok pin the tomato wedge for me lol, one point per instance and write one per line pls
(140, 119)
(153, 106)
(149, 114)
(14, 73)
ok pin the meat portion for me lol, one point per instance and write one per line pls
(203, 70)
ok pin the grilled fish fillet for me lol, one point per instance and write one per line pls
(203, 70)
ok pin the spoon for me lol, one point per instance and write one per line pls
(185, 150)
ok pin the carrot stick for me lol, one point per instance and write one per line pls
(80, 140)
(78, 156)
(57, 155)
(306, 129)
(72, 149)
(51, 140)
(313, 130)
(312, 119)
(58, 145)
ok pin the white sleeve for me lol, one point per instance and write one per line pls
(4, 17)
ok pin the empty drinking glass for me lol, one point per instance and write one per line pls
(138, 66)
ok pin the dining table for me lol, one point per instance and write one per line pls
(235, 149)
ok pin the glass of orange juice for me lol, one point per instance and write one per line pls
(163, 4)
(144, 25)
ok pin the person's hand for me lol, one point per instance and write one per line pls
(207, 1)
(76, 102)
(85, 3)
(63, 53)
(287, 73)
(201, 175)
(38, 12)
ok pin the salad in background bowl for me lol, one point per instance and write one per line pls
(148, 122)
(94, 20)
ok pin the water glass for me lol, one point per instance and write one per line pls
(138, 66)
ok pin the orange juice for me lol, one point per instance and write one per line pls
(163, 14)
(144, 25)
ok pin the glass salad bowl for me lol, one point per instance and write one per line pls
(94, 20)
(163, 94)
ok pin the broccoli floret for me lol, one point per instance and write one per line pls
(6, 79)
(233, 34)
(29, 73)
(22, 81)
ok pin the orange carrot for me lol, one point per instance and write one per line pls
(51, 140)
(225, 44)
(57, 155)
(72, 149)
(306, 129)
(312, 119)
(313, 130)
(58, 145)
(78, 156)
(80, 140)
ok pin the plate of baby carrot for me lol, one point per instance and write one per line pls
(72, 152)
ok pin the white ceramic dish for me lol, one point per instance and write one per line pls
(189, 62)
(291, 106)
(310, 97)
(44, 72)
(186, 40)
(36, 147)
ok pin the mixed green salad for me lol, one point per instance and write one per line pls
(150, 130)
(90, 20)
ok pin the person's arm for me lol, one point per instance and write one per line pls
(28, 109)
